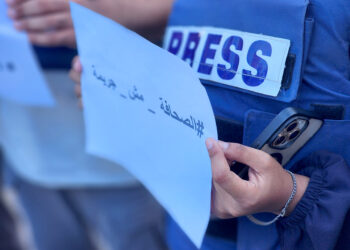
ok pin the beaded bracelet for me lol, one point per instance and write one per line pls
(283, 212)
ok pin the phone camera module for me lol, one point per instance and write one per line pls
(289, 134)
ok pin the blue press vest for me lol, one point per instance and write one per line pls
(319, 31)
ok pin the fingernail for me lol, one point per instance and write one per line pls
(77, 66)
(209, 143)
(223, 145)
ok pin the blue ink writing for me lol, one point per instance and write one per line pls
(197, 126)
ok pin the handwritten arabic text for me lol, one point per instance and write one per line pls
(135, 95)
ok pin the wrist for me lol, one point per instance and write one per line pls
(302, 183)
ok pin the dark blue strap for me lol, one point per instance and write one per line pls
(55, 58)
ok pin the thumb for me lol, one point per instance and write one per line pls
(76, 64)
(222, 175)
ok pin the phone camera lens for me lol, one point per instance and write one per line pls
(279, 140)
(294, 135)
(292, 126)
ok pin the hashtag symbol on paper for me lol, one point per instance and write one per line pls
(200, 128)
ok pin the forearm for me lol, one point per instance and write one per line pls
(302, 183)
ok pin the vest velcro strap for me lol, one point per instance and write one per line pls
(331, 112)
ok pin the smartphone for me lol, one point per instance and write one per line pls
(285, 135)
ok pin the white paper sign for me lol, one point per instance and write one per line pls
(147, 110)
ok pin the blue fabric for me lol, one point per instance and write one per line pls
(255, 122)
(177, 240)
(326, 72)
(52, 223)
(322, 211)
(8, 233)
(238, 15)
(89, 218)
(55, 58)
(320, 37)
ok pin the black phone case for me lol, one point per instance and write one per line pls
(275, 128)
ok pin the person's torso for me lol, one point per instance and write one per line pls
(237, 48)
(319, 36)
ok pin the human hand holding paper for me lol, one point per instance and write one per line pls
(139, 98)
(75, 75)
(267, 190)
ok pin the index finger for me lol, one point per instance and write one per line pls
(37, 7)
(254, 158)
(222, 175)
